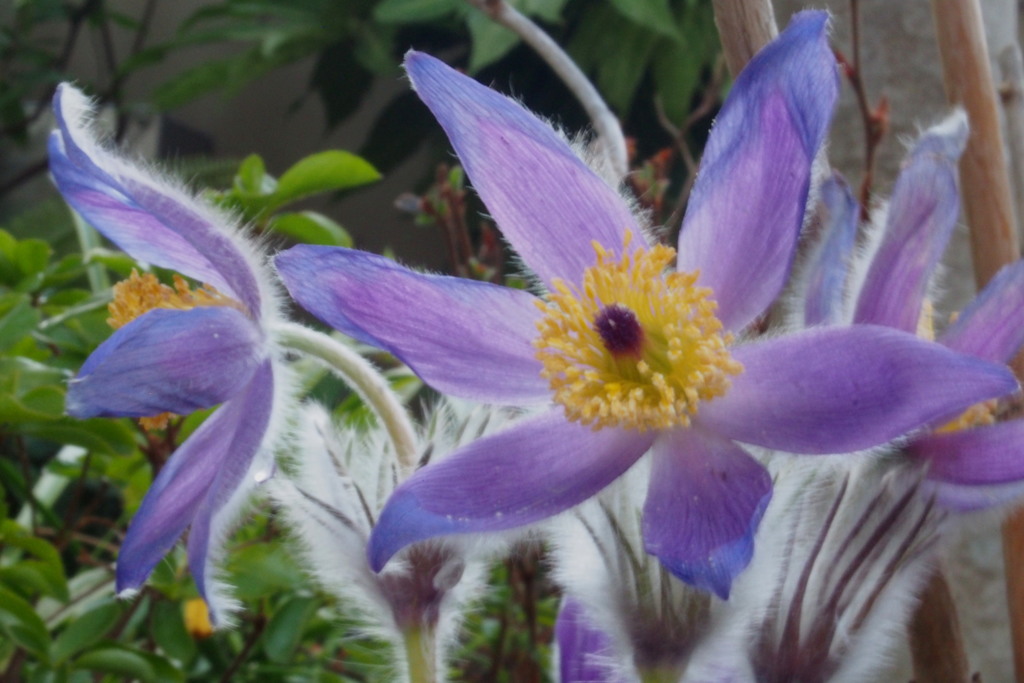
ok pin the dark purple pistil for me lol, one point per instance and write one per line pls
(620, 330)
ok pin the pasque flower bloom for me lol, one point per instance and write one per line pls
(635, 359)
(183, 351)
(971, 462)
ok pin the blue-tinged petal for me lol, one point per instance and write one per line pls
(705, 501)
(585, 652)
(533, 470)
(992, 326)
(840, 389)
(231, 485)
(463, 337)
(150, 218)
(546, 201)
(168, 361)
(193, 474)
(827, 275)
(992, 454)
(922, 214)
(747, 206)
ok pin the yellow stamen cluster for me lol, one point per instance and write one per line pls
(682, 358)
(979, 414)
(142, 293)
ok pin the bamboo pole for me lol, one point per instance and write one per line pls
(985, 188)
(745, 26)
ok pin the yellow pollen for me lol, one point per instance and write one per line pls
(976, 416)
(979, 414)
(683, 358)
(141, 294)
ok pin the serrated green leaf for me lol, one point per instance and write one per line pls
(85, 631)
(412, 11)
(285, 628)
(326, 171)
(310, 227)
(118, 660)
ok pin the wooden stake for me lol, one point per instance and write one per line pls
(989, 212)
(745, 26)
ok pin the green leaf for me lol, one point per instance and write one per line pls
(617, 51)
(491, 41)
(86, 631)
(284, 631)
(30, 391)
(42, 573)
(168, 629)
(17, 319)
(252, 178)
(310, 227)
(19, 621)
(118, 660)
(32, 256)
(103, 435)
(323, 172)
(655, 15)
(412, 11)
(677, 66)
(262, 570)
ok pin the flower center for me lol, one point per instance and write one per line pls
(634, 347)
(140, 294)
(979, 414)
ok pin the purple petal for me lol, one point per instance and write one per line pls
(834, 390)
(585, 652)
(922, 213)
(225, 442)
(533, 470)
(230, 486)
(992, 326)
(706, 499)
(991, 454)
(546, 201)
(466, 338)
(826, 282)
(747, 205)
(168, 361)
(144, 215)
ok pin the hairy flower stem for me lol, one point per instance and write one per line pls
(363, 378)
(419, 652)
(932, 627)
(609, 131)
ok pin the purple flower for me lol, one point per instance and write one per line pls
(635, 358)
(971, 462)
(192, 350)
(585, 653)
